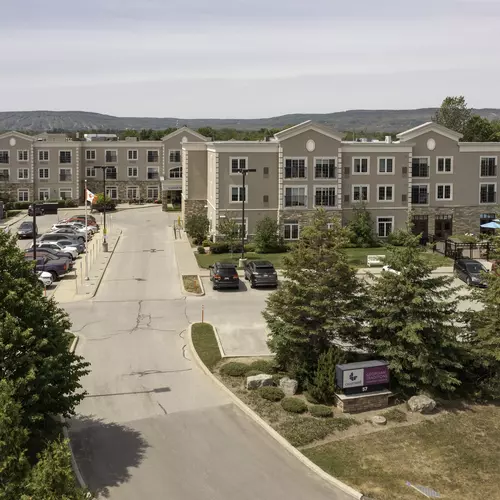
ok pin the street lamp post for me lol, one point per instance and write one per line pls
(244, 172)
(104, 230)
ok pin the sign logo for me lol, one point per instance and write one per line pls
(353, 378)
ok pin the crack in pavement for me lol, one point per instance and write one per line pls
(184, 353)
(161, 406)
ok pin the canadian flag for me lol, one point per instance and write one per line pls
(89, 196)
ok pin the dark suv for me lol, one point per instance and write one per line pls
(26, 230)
(224, 276)
(56, 267)
(261, 273)
(471, 271)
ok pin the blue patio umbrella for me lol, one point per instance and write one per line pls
(491, 225)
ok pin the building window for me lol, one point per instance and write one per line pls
(444, 192)
(174, 156)
(420, 194)
(420, 167)
(110, 172)
(324, 196)
(488, 166)
(385, 193)
(153, 192)
(295, 168)
(22, 155)
(23, 173)
(23, 195)
(43, 173)
(360, 193)
(4, 157)
(487, 193)
(111, 156)
(90, 154)
(133, 171)
(386, 166)
(43, 194)
(153, 156)
(4, 174)
(65, 175)
(43, 155)
(175, 173)
(132, 192)
(112, 192)
(65, 193)
(236, 164)
(64, 157)
(296, 197)
(444, 164)
(324, 168)
(132, 154)
(385, 226)
(291, 230)
(238, 194)
(90, 172)
(153, 173)
(360, 165)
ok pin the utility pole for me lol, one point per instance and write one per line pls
(104, 231)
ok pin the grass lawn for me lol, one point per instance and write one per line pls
(205, 343)
(191, 283)
(457, 455)
(356, 257)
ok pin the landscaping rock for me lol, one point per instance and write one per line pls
(262, 380)
(421, 404)
(379, 420)
(289, 386)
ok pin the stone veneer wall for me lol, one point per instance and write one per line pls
(193, 207)
(363, 403)
(303, 216)
(10, 188)
(465, 219)
(96, 185)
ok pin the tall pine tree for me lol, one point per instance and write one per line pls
(414, 321)
(319, 302)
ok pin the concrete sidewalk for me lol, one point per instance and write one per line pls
(184, 255)
(75, 287)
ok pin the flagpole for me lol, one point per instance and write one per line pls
(86, 237)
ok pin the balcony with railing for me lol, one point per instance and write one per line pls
(153, 176)
(111, 173)
(298, 201)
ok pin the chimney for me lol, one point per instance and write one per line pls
(388, 139)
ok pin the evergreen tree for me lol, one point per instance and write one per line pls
(34, 355)
(319, 301)
(323, 388)
(414, 321)
(361, 228)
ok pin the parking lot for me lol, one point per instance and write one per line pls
(237, 315)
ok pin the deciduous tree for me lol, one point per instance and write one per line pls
(197, 226)
(454, 113)
(229, 230)
(320, 300)
(267, 237)
(361, 228)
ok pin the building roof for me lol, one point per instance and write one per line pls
(305, 126)
(183, 130)
(19, 135)
(429, 127)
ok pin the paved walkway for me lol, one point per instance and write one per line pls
(184, 254)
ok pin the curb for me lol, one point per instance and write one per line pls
(193, 294)
(106, 266)
(74, 464)
(11, 223)
(266, 427)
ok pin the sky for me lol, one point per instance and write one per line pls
(246, 58)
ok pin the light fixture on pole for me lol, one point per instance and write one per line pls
(104, 230)
(244, 172)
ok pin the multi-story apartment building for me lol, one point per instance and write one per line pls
(50, 166)
(445, 185)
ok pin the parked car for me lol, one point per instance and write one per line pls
(224, 275)
(57, 267)
(39, 210)
(26, 230)
(69, 251)
(91, 220)
(261, 273)
(76, 229)
(81, 225)
(471, 271)
(50, 254)
(80, 247)
(73, 239)
(70, 233)
(45, 278)
(389, 269)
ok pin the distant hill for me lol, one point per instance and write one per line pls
(357, 119)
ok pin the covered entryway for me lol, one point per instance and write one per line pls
(174, 196)
(443, 227)
(421, 227)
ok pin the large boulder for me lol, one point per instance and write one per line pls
(261, 380)
(421, 404)
(289, 386)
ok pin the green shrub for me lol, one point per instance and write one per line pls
(271, 393)
(219, 247)
(70, 203)
(206, 243)
(21, 205)
(235, 369)
(321, 411)
(201, 250)
(13, 213)
(250, 247)
(294, 405)
(252, 373)
(262, 365)
(197, 226)
(398, 238)
(310, 397)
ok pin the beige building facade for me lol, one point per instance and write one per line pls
(446, 186)
(52, 167)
